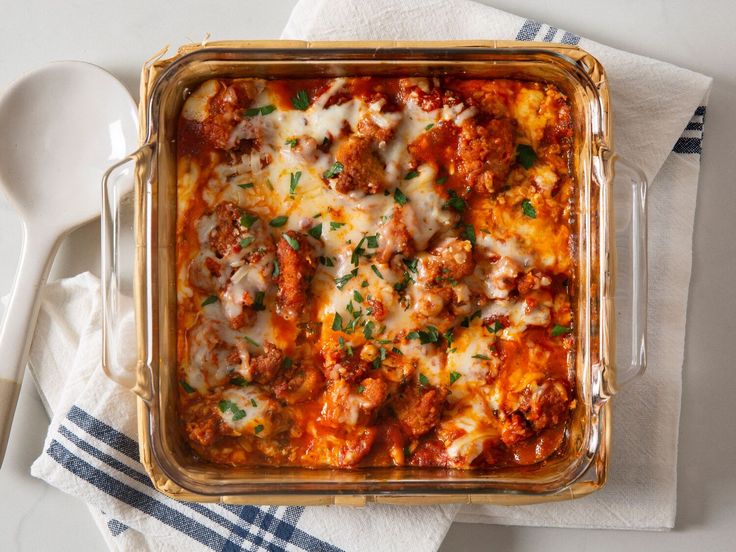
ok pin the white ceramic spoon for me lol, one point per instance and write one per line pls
(61, 127)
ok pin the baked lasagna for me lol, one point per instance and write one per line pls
(375, 272)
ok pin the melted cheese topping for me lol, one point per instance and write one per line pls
(438, 306)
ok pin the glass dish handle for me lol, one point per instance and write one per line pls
(630, 207)
(122, 186)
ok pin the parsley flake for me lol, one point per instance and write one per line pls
(301, 100)
(454, 376)
(291, 142)
(455, 202)
(334, 170)
(247, 220)
(293, 182)
(278, 221)
(528, 209)
(357, 296)
(481, 357)
(470, 233)
(337, 323)
(209, 300)
(276, 268)
(400, 198)
(262, 110)
(188, 388)
(335, 225)
(316, 231)
(342, 280)
(361, 388)
(245, 242)
(258, 303)
(291, 241)
(558, 330)
(246, 185)
(411, 174)
(372, 241)
(495, 327)
(258, 428)
(377, 272)
(251, 341)
(525, 155)
(423, 380)
(430, 125)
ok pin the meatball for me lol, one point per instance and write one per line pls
(418, 409)
(228, 231)
(486, 151)
(363, 169)
(297, 264)
(264, 367)
(450, 261)
(395, 236)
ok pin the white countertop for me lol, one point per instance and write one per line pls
(121, 35)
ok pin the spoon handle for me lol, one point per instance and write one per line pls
(20, 320)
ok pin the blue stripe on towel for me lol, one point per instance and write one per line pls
(134, 498)
(282, 531)
(570, 38)
(551, 32)
(528, 30)
(116, 528)
(689, 144)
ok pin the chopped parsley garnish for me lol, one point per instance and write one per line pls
(525, 155)
(291, 142)
(287, 362)
(258, 428)
(335, 225)
(258, 303)
(253, 402)
(293, 182)
(455, 202)
(372, 241)
(276, 268)
(326, 261)
(188, 388)
(368, 330)
(247, 220)
(377, 272)
(251, 341)
(209, 300)
(430, 335)
(399, 197)
(528, 209)
(301, 100)
(364, 284)
(454, 376)
(262, 110)
(361, 388)
(357, 252)
(397, 351)
(558, 330)
(495, 327)
(481, 357)
(449, 336)
(350, 326)
(357, 296)
(470, 233)
(292, 242)
(468, 319)
(411, 264)
(316, 231)
(225, 406)
(342, 280)
(240, 381)
(278, 221)
(423, 380)
(411, 174)
(245, 242)
(334, 170)
(246, 185)
(442, 179)
(404, 283)
(430, 125)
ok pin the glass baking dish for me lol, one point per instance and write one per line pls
(146, 271)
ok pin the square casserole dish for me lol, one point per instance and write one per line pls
(147, 272)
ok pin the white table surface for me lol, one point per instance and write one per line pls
(120, 35)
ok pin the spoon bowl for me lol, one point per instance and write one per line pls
(62, 126)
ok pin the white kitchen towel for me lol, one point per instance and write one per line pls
(91, 450)
(659, 110)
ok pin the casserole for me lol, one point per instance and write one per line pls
(579, 467)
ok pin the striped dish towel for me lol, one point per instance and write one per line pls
(91, 451)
